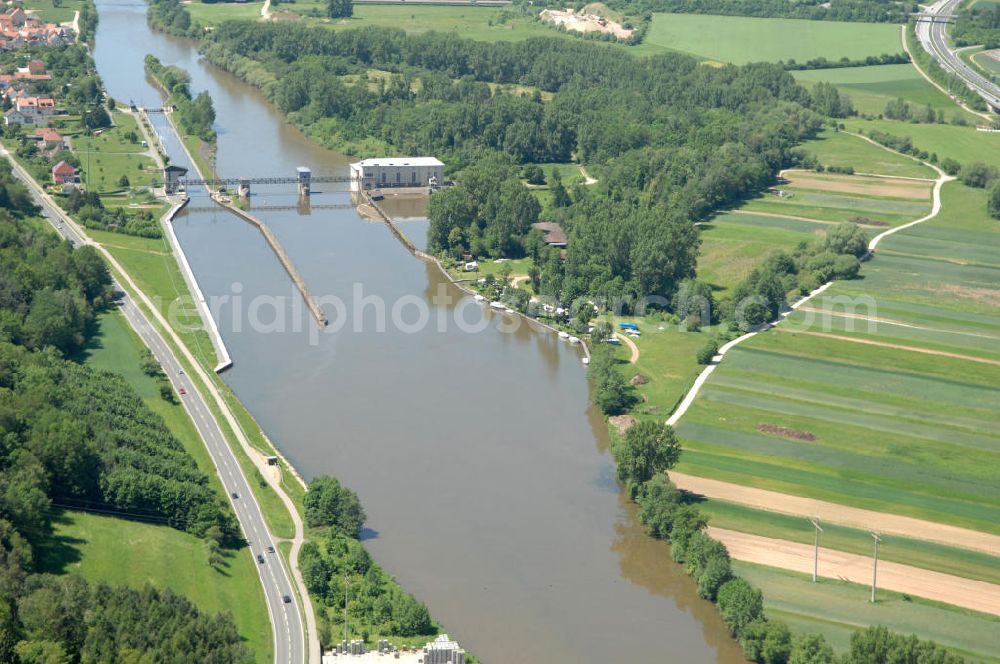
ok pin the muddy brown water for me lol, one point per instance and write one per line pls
(484, 471)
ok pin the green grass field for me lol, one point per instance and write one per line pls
(739, 39)
(47, 11)
(105, 158)
(732, 245)
(835, 609)
(120, 551)
(895, 429)
(213, 13)
(667, 359)
(871, 88)
(836, 148)
(963, 144)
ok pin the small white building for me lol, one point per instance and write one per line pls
(396, 172)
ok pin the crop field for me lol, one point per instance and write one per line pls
(829, 197)
(733, 244)
(835, 609)
(906, 551)
(837, 148)
(963, 144)
(740, 39)
(871, 88)
(889, 399)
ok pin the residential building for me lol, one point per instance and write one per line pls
(63, 173)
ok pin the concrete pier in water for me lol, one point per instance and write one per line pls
(283, 258)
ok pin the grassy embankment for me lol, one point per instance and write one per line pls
(121, 551)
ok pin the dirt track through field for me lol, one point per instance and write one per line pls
(860, 184)
(883, 344)
(854, 517)
(956, 590)
(633, 349)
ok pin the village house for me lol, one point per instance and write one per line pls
(552, 233)
(49, 140)
(35, 67)
(36, 108)
(63, 173)
(15, 117)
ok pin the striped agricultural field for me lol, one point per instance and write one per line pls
(884, 392)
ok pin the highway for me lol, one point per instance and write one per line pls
(932, 35)
(285, 616)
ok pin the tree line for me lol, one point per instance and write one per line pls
(74, 436)
(194, 114)
(336, 568)
(644, 454)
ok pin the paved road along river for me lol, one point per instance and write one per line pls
(485, 474)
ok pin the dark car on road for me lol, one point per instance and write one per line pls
(286, 599)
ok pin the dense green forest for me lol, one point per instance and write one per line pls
(978, 26)
(675, 140)
(71, 436)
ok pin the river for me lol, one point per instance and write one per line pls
(484, 471)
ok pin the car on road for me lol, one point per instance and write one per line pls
(270, 548)
(286, 599)
(234, 495)
(260, 559)
(180, 372)
(182, 391)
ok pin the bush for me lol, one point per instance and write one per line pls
(846, 238)
(979, 175)
(708, 351)
(950, 166)
(740, 604)
(993, 204)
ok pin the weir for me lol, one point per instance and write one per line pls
(283, 258)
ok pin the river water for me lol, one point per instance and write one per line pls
(484, 471)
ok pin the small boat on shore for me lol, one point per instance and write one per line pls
(563, 335)
(574, 340)
(586, 361)
(498, 305)
(478, 298)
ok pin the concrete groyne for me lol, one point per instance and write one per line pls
(283, 258)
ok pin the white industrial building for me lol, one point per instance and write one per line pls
(396, 172)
